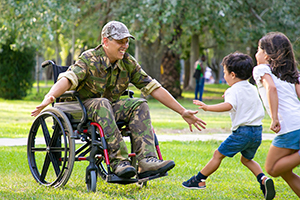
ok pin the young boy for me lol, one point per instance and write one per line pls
(246, 112)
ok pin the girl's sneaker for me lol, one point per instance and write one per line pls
(194, 183)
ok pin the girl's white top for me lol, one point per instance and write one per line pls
(288, 103)
(247, 109)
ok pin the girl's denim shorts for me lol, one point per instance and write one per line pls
(289, 140)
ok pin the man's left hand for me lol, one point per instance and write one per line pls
(191, 119)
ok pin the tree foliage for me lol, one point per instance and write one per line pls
(16, 69)
(34, 21)
(250, 20)
(221, 26)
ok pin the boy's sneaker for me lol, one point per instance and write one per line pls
(194, 183)
(267, 187)
(152, 166)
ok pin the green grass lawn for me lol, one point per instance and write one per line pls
(15, 119)
(231, 181)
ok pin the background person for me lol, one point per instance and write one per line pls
(199, 76)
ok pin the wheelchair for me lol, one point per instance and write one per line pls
(52, 150)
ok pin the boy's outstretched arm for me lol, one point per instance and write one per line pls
(221, 107)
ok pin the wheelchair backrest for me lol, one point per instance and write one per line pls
(74, 110)
(56, 68)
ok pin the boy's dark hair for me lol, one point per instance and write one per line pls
(282, 60)
(239, 63)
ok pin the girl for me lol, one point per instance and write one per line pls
(278, 83)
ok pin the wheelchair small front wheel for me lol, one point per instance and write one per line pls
(91, 181)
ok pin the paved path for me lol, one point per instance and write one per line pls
(181, 137)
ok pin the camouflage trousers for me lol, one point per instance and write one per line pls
(133, 111)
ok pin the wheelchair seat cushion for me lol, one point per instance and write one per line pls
(71, 109)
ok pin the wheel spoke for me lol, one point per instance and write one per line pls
(50, 157)
(33, 149)
(58, 149)
(55, 163)
(45, 168)
(45, 130)
(55, 136)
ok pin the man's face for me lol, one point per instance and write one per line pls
(115, 49)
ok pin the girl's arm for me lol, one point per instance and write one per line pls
(272, 96)
(297, 86)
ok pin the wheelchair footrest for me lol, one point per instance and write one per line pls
(152, 177)
(112, 178)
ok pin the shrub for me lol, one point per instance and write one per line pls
(16, 68)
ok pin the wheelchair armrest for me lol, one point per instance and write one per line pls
(130, 93)
(71, 93)
(74, 94)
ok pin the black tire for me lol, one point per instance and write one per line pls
(50, 148)
(91, 181)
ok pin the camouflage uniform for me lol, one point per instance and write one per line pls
(100, 85)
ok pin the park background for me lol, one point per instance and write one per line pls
(170, 37)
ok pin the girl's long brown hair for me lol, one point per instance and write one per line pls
(282, 60)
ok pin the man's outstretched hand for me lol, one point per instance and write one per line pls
(47, 100)
(191, 119)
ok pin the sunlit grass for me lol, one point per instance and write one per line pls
(15, 119)
(231, 181)
(211, 91)
(18, 183)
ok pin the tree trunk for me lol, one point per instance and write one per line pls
(149, 57)
(57, 49)
(170, 73)
(193, 58)
(186, 73)
(215, 67)
(37, 68)
(73, 45)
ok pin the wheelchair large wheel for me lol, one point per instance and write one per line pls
(50, 148)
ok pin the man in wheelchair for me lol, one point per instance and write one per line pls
(100, 76)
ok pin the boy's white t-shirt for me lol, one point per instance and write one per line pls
(288, 103)
(247, 109)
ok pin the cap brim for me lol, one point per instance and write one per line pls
(116, 37)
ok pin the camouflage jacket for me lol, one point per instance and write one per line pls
(94, 76)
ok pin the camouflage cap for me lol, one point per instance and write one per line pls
(116, 30)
